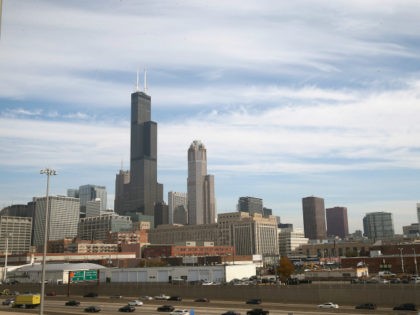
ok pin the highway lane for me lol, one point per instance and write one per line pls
(56, 306)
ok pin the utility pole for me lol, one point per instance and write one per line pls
(402, 259)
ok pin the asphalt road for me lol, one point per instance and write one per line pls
(55, 306)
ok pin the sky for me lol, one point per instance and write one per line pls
(290, 98)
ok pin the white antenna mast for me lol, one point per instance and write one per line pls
(137, 83)
(145, 81)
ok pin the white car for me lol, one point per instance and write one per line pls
(146, 298)
(162, 297)
(135, 303)
(328, 305)
(180, 312)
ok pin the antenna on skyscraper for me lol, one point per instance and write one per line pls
(145, 81)
(137, 83)
(121, 164)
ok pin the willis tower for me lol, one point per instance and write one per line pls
(137, 190)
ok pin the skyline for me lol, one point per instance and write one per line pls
(290, 99)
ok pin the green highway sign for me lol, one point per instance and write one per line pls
(77, 276)
(91, 275)
(83, 275)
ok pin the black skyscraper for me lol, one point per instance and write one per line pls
(139, 190)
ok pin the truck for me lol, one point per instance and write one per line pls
(27, 300)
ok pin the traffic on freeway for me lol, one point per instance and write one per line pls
(188, 307)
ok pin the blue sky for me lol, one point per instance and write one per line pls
(291, 99)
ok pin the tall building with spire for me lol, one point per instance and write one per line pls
(137, 190)
(201, 200)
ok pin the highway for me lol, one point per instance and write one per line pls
(55, 305)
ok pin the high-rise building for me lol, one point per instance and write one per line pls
(378, 226)
(63, 218)
(16, 231)
(138, 189)
(201, 200)
(175, 200)
(337, 222)
(418, 213)
(250, 204)
(99, 228)
(93, 208)
(73, 192)
(249, 234)
(89, 193)
(161, 213)
(267, 212)
(314, 218)
(19, 210)
(180, 215)
(289, 240)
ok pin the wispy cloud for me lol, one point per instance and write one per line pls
(273, 88)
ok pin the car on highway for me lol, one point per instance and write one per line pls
(175, 298)
(116, 296)
(8, 301)
(180, 312)
(395, 280)
(162, 297)
(405, 307)
(93, 309)
(135, 303)
(146, 297)
(91, 295)
(72, 303)
(127, 308)
(257, 311)
(165, 308)
(231, 313)
(207, 283)
(328, 305)
(202, 300)
(366, 306)
(253, 301)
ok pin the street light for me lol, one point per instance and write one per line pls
(402, 259)
(5, 257)
(49, 172)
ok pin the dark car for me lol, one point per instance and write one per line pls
(257, 311)
(52, 293)
(405, 307)
(165, 308)
(127, 308)
(253, 301)
(202, 300)
(93, 309)
(72, 303)
(231, 313)
(91, 295)
(366, 306)
(8, 301)
(395, 280)
(175, 298)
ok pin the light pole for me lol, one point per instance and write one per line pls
(5, 257)
(415, 261)
(402, 259)
(49, 172)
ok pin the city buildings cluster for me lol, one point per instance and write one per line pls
(81, 222)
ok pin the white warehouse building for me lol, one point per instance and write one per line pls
(217, 273)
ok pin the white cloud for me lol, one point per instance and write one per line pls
(271, 87)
